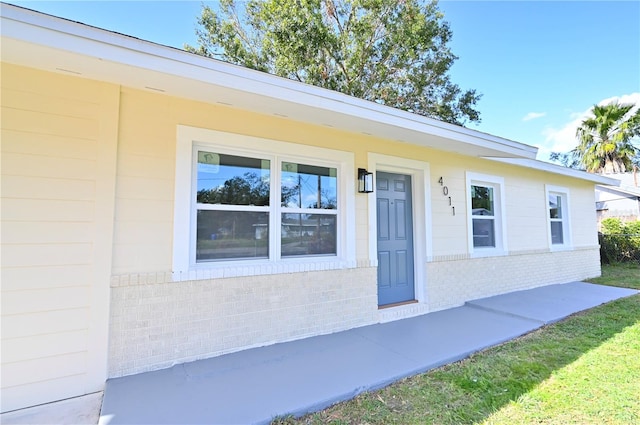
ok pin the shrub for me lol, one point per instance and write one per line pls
(612, 226)
(619, 242)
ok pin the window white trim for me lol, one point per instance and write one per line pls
(421, 195)
(500, 223)
(184, 266)
(563, 192)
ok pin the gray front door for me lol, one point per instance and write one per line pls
(395, 238)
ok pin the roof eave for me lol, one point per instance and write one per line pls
(94, 48)
(625, 190)
(557, 169)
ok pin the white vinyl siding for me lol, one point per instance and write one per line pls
(58, 182)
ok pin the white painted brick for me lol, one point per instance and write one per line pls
(156, 324)
(452, 283)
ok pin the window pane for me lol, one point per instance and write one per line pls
(232, 180)
(308, 186)
(555, 206)
(483, 233)
(308, 234)
(232, 235)
(557, 236)
(482, 200)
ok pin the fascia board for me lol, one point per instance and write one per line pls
(557, 169)
(623, 190)
(41, 29)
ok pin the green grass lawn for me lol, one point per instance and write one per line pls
(582, 370)
(626, 275)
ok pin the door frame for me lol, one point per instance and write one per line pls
(421, 214)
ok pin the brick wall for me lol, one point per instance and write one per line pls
(453, 281)
(156, 322)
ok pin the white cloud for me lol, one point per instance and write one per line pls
(563, 139)
(625, 98)
(533, 115)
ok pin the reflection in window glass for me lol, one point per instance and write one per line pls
(482, 200)
(483, 233)
(308, 234)
(233, 208)
(555, 206)
(232, 235)
(308, 186)
(557, 236)
(482, 207)
(556, 218)
(232, 180)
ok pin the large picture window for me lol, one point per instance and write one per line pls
(234, 202)
(247, 205)
(485, 212)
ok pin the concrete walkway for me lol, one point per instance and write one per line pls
(254, 386)
(83, 410)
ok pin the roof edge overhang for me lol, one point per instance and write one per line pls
(557, 169)
(47, 42)
(624, 190)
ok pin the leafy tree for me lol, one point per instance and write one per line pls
(393, 52)
(567, 159)
(606, 140)
(247, 190)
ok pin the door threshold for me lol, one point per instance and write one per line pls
(382, 307)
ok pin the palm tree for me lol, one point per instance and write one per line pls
(606, 140)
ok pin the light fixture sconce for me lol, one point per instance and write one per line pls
(365, 181)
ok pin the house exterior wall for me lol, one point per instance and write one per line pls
(616, 204)
(157, 323)
(59, 139)
(619, 202)
(157, 319)
(455, 281)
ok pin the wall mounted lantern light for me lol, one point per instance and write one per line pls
(365, 181)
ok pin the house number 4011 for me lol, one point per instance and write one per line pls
(445, 192)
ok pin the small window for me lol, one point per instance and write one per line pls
(482, 210)
(485, 214)
(558, 216)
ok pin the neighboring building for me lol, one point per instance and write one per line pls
(621, 201)
(160, 207)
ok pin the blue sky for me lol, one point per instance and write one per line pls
(539, 65)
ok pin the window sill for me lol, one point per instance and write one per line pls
(489, 252)
(560, 247)
(226, 270)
